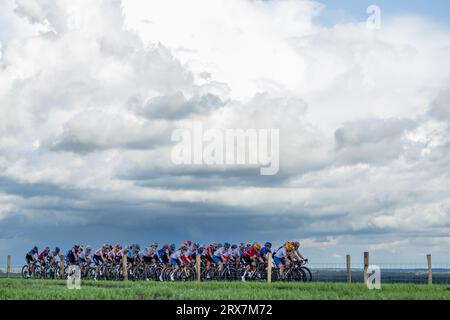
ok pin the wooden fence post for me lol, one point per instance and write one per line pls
(430, 273)
(198, 264)
(366, 265)
(61, 266)
(125, 267)
(8, 267)
(349, 272)
(269, 267)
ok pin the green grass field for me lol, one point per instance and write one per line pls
(50, 289)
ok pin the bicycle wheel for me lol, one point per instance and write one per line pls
(308, 275)
(298, 275)
(25, 272)
(38, 272)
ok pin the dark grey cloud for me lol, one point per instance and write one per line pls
(373, 140)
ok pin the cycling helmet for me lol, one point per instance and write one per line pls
(197, 245)
(76, 245)
(47, 249)
(219, 245)
(35, 248)
(172, 246)
(257, 246)
(226, 244)
(296, 244)
(267, 244)
(137, 246)
(234, 246)
(166, 246)
(154, 244)
(289, 246)
(213, 244)
(88, 248)
(57, 249)
(188, 242)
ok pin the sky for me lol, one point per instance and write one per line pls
(91, 92)
(354, 10)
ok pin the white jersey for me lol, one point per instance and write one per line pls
(281, 253)
(227, 253)
(222, 252)
(236, 252)
(188, 253)
(84, 256)
(52, 254)
(176, 255)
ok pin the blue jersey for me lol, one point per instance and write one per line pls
(263, 251)
(162, 252)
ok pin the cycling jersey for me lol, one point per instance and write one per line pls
(219, 252)
(176, 255)
(71, 256)
(84, 256)
(209, 251)
(175, 258)
(235, 253)
(264, 251)
(250, 253)
(32, 252)
(281, 253)
(43, 255)
(130, 253)
(51, 255)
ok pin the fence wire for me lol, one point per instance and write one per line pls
(337, 273)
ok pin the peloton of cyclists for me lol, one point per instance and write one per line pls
(249, 254)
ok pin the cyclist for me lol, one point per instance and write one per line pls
(133, 253)
(296, 255)
(72, 255)
(99, 258)
(52, 255)
(72, 258)
(208, 256)
(187, 255)
(120, 254)
(235, 255)
(221, 254)
(193, 252)
(163, 255)
(85, 257)
(249, 259)
(112, 254)
(154, 252)
(31, 259)
(264, 251)
(42, 257)
(147, 253)
(176, 260)
(280, 255)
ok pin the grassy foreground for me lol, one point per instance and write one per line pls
(50, 289)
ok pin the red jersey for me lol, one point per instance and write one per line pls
(251, 252)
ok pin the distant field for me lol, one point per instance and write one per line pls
(51, 289)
